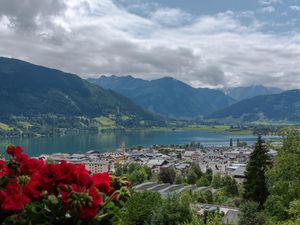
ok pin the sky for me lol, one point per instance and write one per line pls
(215, 43)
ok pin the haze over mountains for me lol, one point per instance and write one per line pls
(241, 93)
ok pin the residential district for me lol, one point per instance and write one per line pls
(224, 160)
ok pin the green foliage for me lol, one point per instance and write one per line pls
(294, 213)
(242, 144)
(248, 213)
(203, 181)
(255, 188)
(140, 207)
(136, 173)
(222, 198)
(167, 175)
(179, 179)
(227, 183)
(173, 211)
(195, 221)
(284, 179)
(138, 176)
(196, 168)
(230, 186)
(217, 181)
(214, 219)
(191, 177)
(205, 196)
(209, 175)
(209, 219)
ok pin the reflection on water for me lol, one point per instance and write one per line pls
(111, 140)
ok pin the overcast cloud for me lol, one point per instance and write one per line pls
(100, 37)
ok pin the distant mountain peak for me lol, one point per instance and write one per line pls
(246, 92)
(280, 107)
(28, 90)
(168, 96)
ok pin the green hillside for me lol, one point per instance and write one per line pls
(281, 107)
(34, 94)
(167, 96)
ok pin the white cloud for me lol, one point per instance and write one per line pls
(270, 2)
(171, 17)
(268, 9)
(92, 37)
(295, 7)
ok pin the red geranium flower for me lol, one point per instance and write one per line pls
(90, 210)
(87, 201)
(3, 196)
(102, 182)
(3, 169)
(12, 187)
(33, 188)
(12, 150)
(15, 202)
(31, 166)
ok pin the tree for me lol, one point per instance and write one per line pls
(191, 177)
(217, 181)
(255, 188)
(196, 168)
(283, 178)
(209, 174)
(294, 213)
(138, 176)
(140, 207)
(179, 179)
(230, 186)
(173, 211)
(167, 175)
(203, 196)
(203, 181)
(248, 212)
(242, 144)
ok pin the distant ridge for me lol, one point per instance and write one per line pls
(30, 90)
(277, 107)
(167, 96)
(241, 93)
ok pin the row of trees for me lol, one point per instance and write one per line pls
(149, 208)
(272, 190)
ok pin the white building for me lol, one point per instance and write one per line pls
(97, 167)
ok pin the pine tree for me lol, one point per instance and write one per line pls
(255, 188)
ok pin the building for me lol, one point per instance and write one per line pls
(97, 167)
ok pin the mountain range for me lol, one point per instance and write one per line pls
(281, 107)
(167, 96)
(30, 90)
(241, 93)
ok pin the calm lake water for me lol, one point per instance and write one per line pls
(110, 141)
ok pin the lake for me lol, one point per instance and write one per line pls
(112, 140)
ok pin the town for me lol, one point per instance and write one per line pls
(220, 161)
(225, 160)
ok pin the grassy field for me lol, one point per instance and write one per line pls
(106, 122)
(219, 129)
(4, 127)
(24, 125)
(216, 129)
